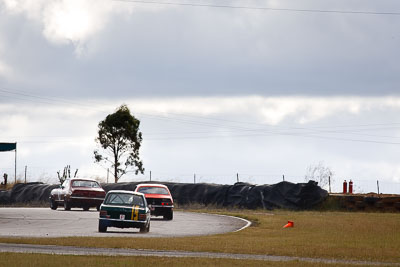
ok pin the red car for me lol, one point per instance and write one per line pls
(76, 192)
(158, 198)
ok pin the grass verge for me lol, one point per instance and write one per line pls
(15, 259)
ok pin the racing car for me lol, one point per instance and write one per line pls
(124, 209)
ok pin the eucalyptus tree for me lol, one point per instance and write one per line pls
(120, 140)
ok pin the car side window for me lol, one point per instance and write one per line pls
(144, 201)
(95, 185)
(137, 201)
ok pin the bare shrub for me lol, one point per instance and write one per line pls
(319, 173)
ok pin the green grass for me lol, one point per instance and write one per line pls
(336, 235)
(16, 259)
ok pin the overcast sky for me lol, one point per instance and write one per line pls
(262, 91)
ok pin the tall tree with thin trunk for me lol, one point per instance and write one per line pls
(120, 139)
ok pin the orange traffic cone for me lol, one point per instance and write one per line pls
(289, 224)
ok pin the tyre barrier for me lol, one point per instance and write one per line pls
(243, 195)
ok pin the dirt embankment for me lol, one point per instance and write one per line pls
(365, 202)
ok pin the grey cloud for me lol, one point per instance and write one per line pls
(198, 51)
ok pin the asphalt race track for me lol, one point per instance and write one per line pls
(44, 222)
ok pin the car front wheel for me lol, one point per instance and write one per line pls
(67, 205)
(53, 204)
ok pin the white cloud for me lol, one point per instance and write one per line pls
(270, 110)
(74, 21)
(68, 21)
(266, 110)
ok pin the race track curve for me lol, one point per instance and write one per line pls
(44, 222)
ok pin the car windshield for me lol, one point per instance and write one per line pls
(124, 199)
(153, 190)
(83, 183)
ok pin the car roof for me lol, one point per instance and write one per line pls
(152, 185)
(125, 192)
(81, 179)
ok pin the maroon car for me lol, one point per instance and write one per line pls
(79, 193)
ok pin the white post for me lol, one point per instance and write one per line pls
(15, 170)
(108, 173)
(377, 184)
(329, 184)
